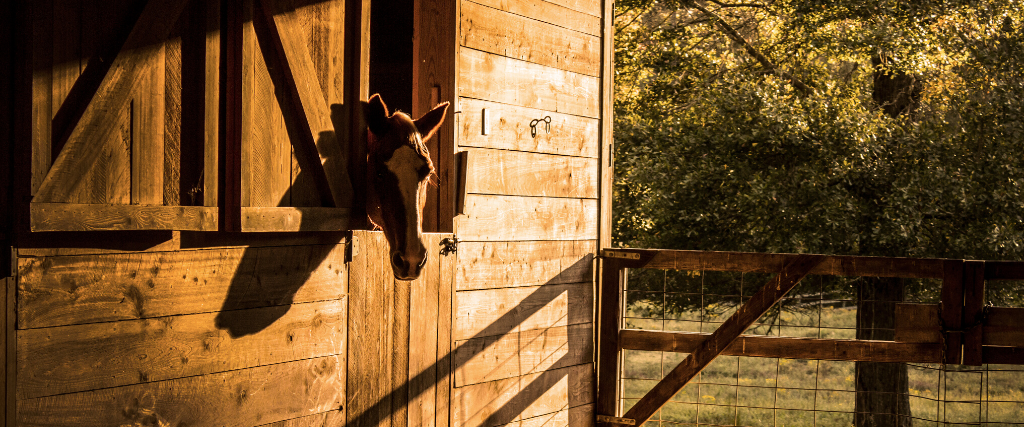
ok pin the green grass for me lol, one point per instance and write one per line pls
(748, 391)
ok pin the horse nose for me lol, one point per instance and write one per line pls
(404, 270)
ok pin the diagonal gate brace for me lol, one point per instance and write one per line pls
(746, 315)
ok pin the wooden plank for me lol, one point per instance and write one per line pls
(494, 31)
(399, 345)
(371, 305)
(357, 87)
(490, 218)
(255, 126)
(549, 12)
(147, 132)
(54, 360)
(486, 265)
(174, 68)
(527, 174)
(711, 347)
(787, 347)
(69, 290)
(445, 320)
(589, 7)
(424, 302)
(266, 219)
(434, 51)
(10, 356)
(1004, 270)
(751, 262)
(609, 318)
(93, 217)
(918, 323)
(510, 81)
(283, 42)
(267, 157)
(973, 315)
(230, 176)
(244, 397)
(607, 141)
(114, 92)
(512, 400)
(1003, 355)
(527, 352)
(212, 122)
(494, 312)
(1004, 326)
(42, 30)
(952, 309)
(335, 418)
(510, 130)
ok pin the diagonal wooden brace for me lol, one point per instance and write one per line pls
(746, 315)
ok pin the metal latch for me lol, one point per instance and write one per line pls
(449, 245)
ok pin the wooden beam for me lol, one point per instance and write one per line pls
(229, 178)
(609, 319)
(265, 219)
(974, 302)
(770, 293)
(786, 347)
(952, 308)
(357, 88)
(114, 91)
(918, 323)
(1004, 326)
(306, 112)
(751, 262)
(93, 217)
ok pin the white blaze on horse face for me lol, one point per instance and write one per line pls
(404, 164)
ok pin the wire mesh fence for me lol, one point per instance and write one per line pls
(754, 391)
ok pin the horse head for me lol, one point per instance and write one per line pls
(398, 168)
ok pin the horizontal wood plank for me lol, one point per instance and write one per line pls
(334, 418)
(577, 416)
(486, 265)
(835, 265)
(918, 323)
(1004, 326)
(1004, 270)
(96, 217)
(590, 7)
(504, 218)
(493, 312)
(76, 358)
(551, 13)
(495, 31)
(528, 174)
(1002, 355)
(266, 219)
(786, 347)
(512, 400)
(527, 352)
(510, 130)
(497, 78)
(68, 290)
(244, 397)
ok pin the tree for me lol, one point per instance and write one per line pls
(887, 128)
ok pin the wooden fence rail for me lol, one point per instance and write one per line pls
(960, 330)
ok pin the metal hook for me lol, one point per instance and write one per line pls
(535, 122)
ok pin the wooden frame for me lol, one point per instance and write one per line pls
(961, 330)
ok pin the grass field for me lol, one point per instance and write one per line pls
(748, 391)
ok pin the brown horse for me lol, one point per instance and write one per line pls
(398, 168)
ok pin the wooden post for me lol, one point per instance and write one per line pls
(952, 308)
(974, 302)
(609, 323)
(746, 315)
(357, 87)
(230, 159)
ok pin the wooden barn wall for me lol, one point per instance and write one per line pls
(524, 301)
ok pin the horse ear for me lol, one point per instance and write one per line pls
(376, 114)
(428, 124)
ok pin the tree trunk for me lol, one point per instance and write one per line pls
(882, 388)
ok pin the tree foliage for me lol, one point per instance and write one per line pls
(717, 149)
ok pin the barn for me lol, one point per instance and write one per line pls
(184, 220)
(184, 212)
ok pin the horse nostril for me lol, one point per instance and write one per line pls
(423, 261)
(397, 261)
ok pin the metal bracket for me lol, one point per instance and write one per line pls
(352, 248)
(608, 419)
(449, 245)
(608, 253)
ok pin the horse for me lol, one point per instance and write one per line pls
(398, 168)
